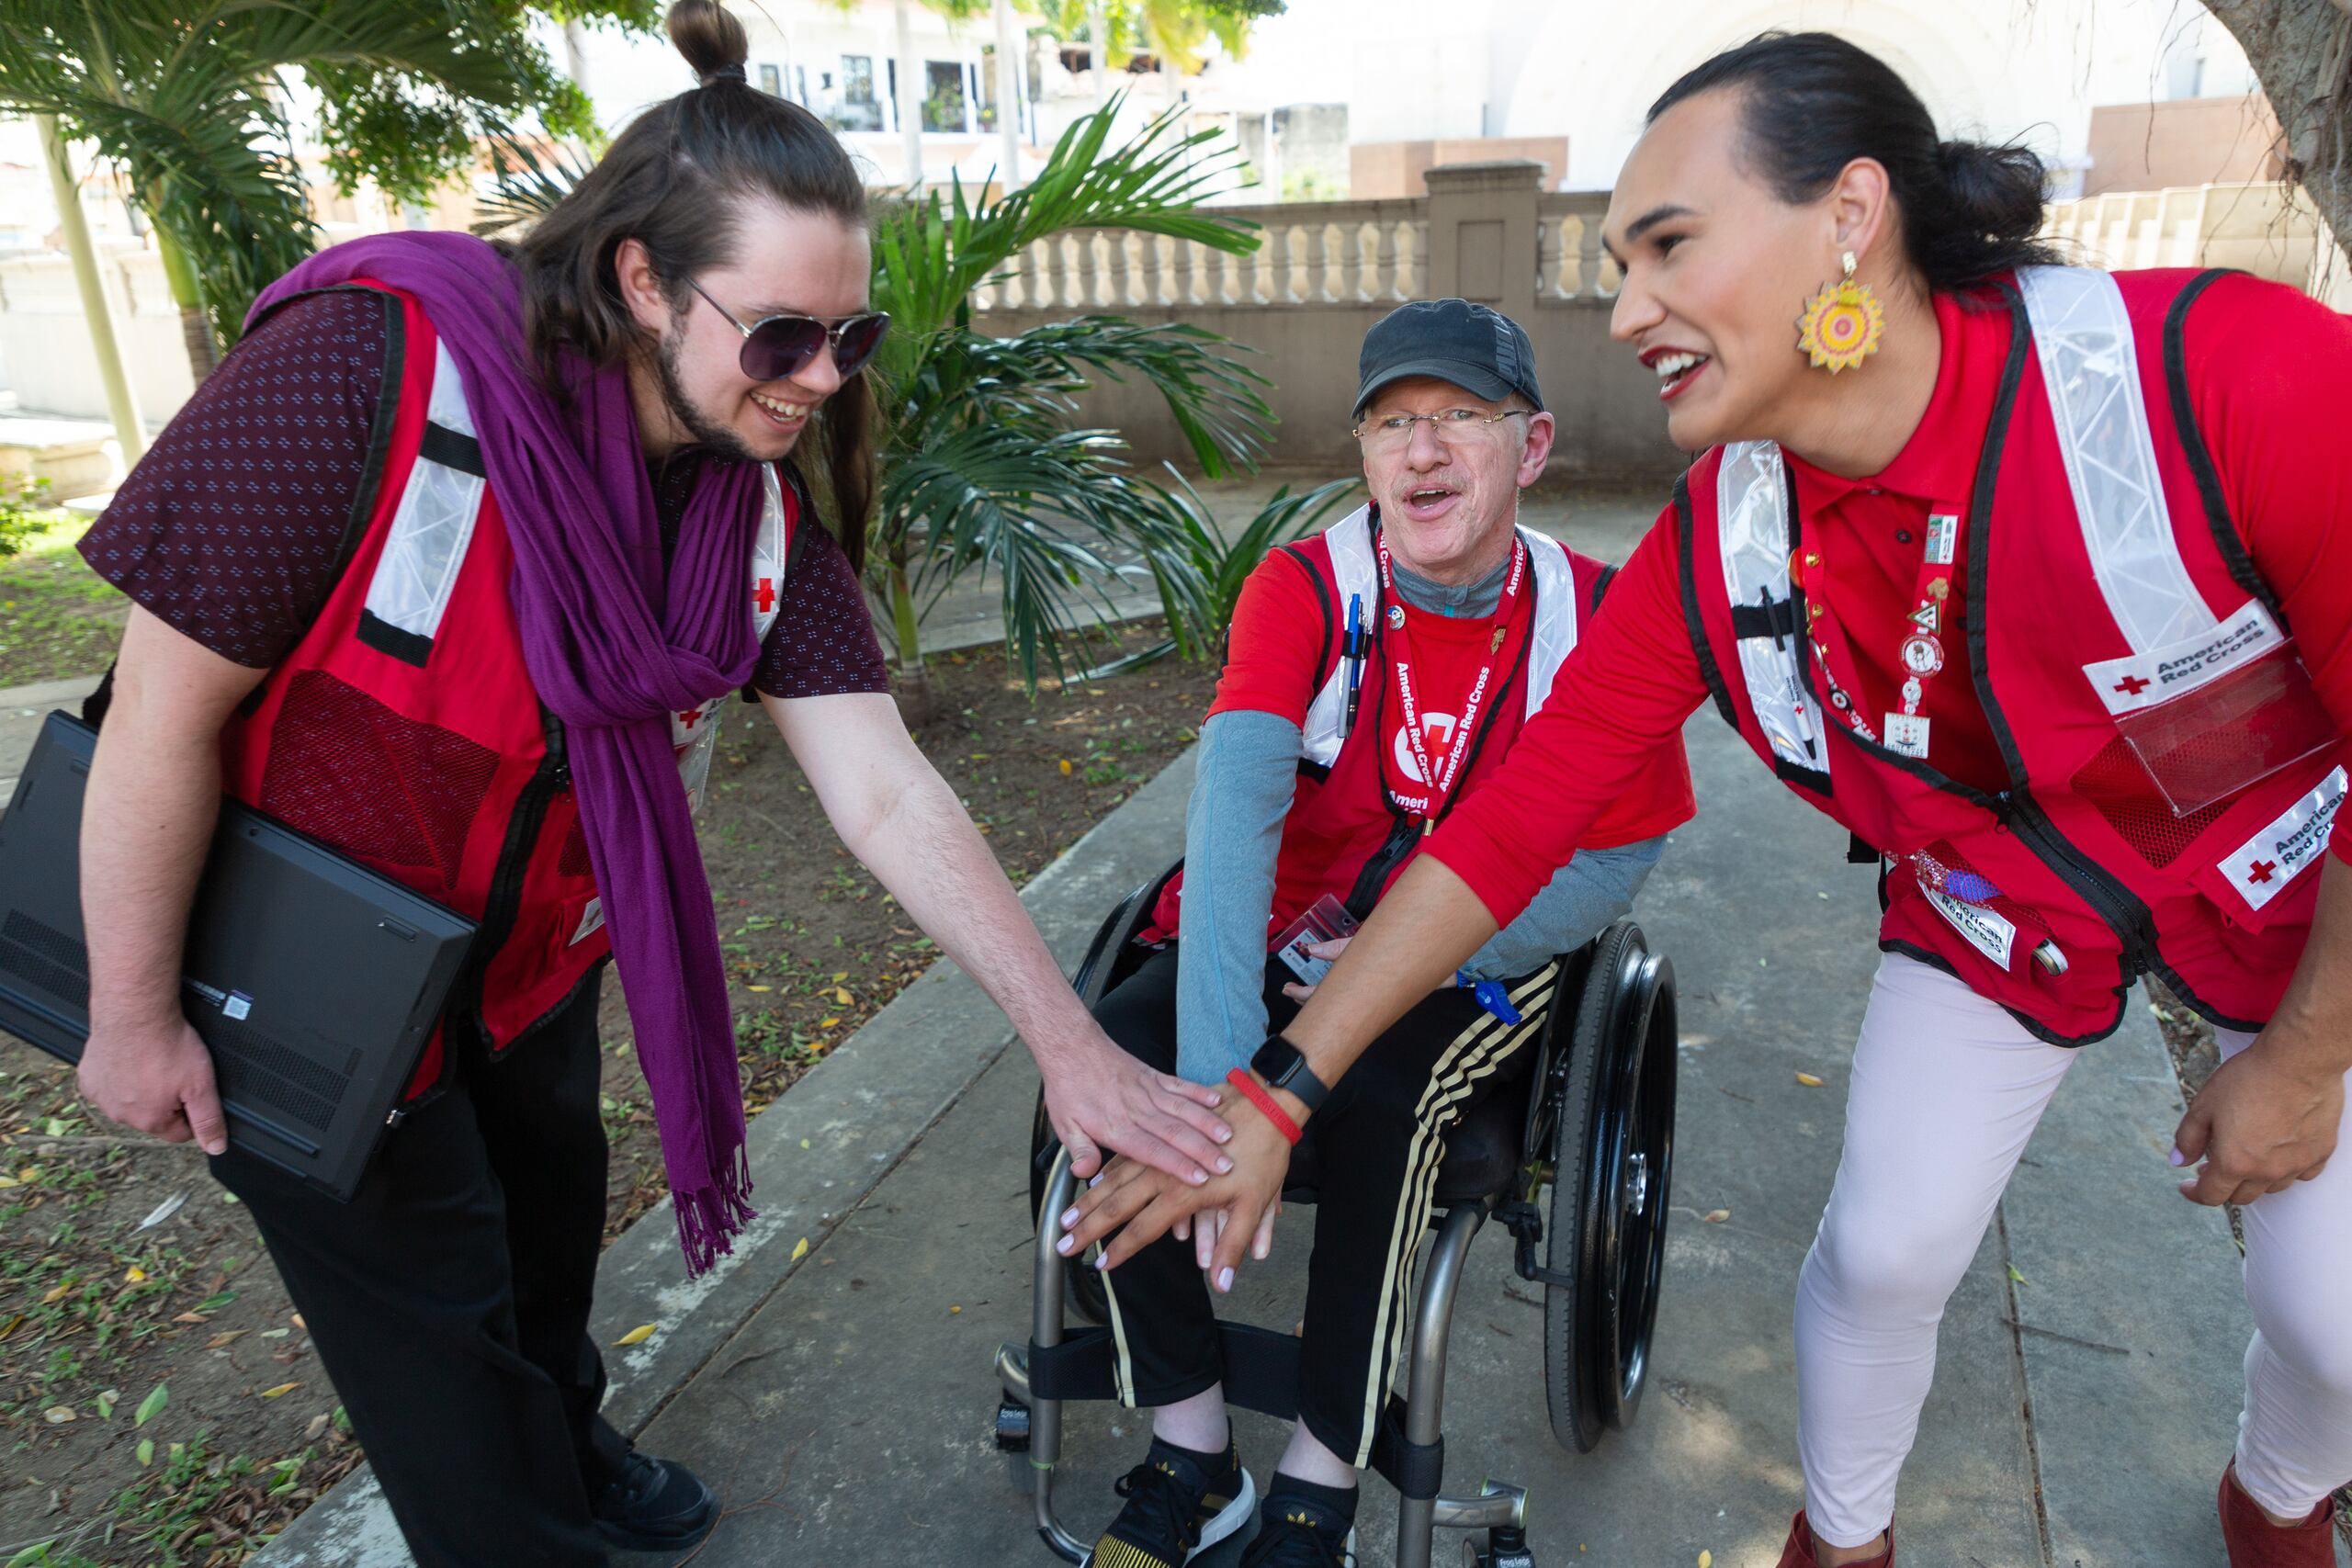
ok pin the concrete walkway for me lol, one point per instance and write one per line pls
(841, 1397)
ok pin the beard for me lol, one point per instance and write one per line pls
(711, 435)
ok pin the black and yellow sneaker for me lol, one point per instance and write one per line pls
(1298, 1531)
(1177, 1509)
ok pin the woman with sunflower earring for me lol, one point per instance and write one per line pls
(2038, 579)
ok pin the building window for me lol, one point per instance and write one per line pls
(855, 107)
(771, 81)
(943, 104)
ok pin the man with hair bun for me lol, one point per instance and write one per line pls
(454, 564)
(2037, 580)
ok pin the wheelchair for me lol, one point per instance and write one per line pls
(1575, 1160)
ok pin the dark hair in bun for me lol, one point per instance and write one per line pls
(711, 38)
(1812, 103)
(676, 180)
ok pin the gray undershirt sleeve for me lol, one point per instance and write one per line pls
(1576, 906)
(1233, 828)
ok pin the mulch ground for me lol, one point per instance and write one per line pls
(160, 1400)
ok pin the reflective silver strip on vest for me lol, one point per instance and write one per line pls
(433, 524)
(2263, 867)
(1752, 527)
(1556, 614)
(1356, 572)
(1358, 575)
(2091, 369)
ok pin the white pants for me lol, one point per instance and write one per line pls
(1947, 1088)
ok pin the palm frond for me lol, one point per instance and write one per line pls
(1045, 512)
(1201, 569)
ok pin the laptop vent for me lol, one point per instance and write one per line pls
(46, 956)
(261, 1071)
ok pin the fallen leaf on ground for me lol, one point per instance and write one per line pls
(841, 995)
(800, 1250)
(1706, 1560)
(133, 1274)
(281, 1389)
(1065, 764)
(152, 1406)
(105, 1403)
(57, 1293)
(58, 1414)
(827, 1023)
(220, 1339)
(637, 1335)
(191, 1317)
(1808, 1080)
(295, 1319)
(2015, 1278)
(759, 987)
(1716, 1216)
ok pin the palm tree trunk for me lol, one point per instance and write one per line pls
(1098, 38)
(114, 369)
(918, 702)
(196, 322)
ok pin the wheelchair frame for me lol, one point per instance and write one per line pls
(1602, 1097)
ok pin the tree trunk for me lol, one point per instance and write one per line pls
(910, 96)
(196, 322)
(918, 701)
(114, 369)
(2302, 52)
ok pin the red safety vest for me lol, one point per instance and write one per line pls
(404, 730)
(1343, 835)
(2171, 776)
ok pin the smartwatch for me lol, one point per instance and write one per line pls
(1279, 1063)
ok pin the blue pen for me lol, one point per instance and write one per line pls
(1492, 995)
(1353, 651)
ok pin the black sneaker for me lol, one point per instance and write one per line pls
(1175, 1511)
(653, 1505)
(1295, 1533)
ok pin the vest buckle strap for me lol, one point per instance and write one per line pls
(1767, 617)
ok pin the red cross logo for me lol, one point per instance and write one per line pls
(2260, 870)
(689, 717)
(2131, 685)
(764, 595)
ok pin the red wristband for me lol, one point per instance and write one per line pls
(1268, 1106)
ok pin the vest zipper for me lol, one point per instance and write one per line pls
(1399, 843)
(506, 898)
(2018, 809)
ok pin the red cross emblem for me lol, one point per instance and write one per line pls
(2131, 685)
(688, 717)
(2260, 870)
(764, 595)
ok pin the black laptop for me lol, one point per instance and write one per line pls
(315, 981)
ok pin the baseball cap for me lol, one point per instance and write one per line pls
(1480, 350)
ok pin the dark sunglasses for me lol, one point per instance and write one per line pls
(778, 346)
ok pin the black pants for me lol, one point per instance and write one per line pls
(1381, 1138)
(449, 1303)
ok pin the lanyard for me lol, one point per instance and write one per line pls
(1440, 785)
(1919, 649)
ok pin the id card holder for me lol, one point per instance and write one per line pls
(2234, 731)
(1324, 921)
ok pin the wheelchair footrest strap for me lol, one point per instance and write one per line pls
(1261, 1369)
(1416, 1469)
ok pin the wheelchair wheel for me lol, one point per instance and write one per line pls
(1612, 1151)
(1084, 1296)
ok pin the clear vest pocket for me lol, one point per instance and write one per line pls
(2235, 730)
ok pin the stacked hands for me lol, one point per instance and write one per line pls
(2260, 1125)
(1141, 1199)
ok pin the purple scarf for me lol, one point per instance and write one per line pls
(615, 644)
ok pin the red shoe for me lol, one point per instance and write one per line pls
(2255, 1542)
(1798, 1552)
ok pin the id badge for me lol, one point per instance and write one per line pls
(1324, 920)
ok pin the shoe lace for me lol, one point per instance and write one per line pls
(1168, 1507)
(1285, 1542)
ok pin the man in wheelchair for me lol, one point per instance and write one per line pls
(1375, 674)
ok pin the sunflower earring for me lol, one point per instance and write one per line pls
(1842, 324)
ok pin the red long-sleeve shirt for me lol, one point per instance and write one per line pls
(2268, 372)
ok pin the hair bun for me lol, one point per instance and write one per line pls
(1994, 190)
(713, 41)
